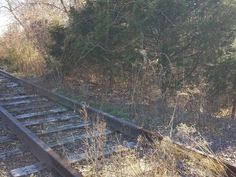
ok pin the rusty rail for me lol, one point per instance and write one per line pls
(41, 150)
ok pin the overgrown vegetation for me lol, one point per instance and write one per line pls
(136, 46)
(145, 158)
(163, 62)
(24, 58)
(172, 44)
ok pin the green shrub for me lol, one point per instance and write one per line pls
(171, 43)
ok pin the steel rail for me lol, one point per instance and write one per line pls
(38, 148)
(116, 123)
(230, 169)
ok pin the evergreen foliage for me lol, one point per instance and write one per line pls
(188, 40)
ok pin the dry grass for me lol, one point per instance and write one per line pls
(195, 164)
(161, 159)
(21, 55)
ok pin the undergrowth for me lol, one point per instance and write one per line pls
(146, 159)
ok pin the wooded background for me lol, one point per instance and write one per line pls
(137, 45)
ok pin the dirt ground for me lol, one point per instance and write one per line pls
(218, 134)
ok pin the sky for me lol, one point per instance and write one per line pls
(5, 18)
(4, 21)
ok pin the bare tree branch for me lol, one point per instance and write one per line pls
(11, 10)
(46, 4)
(63, 4)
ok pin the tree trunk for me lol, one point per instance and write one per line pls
(234, 99)
(234, 108)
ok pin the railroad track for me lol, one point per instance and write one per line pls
(17, 158)
(53, 129)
